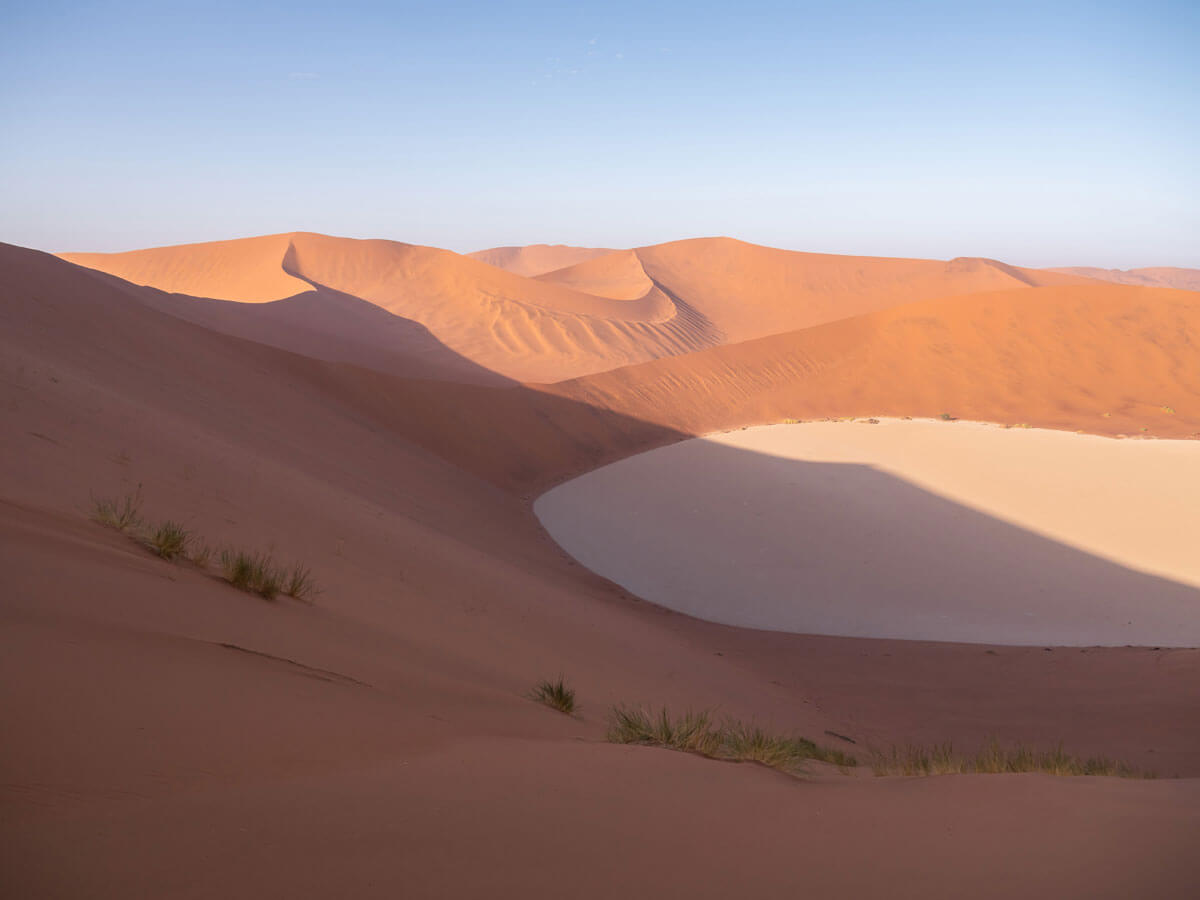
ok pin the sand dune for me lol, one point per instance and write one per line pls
(1106, 359)
(1154, 276)
(250, 270)
(159, 723)
(612, 310)
(750, 291)
(536, 259)
(618, 275)
(918, 530)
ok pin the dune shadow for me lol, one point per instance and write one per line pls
(327, 325)
(743, 538)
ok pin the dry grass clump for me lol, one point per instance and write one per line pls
(169, 540)
(255, 573)
(695, 732)
(121, 513)
(555, 694)
(299, 584)
(996, 759)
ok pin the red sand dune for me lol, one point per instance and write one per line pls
(613, 310)
(536, 259)
(1154, 276)
(169, 736)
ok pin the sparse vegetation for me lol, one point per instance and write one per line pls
(199, 552)
(555, 694)
(946, 417)
(298, 583)
(255, 573)
(993, 759)
(169, 540)
(123, 513)
(696, 732)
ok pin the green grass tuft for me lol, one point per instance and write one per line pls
(255, 573)
(121, 513)
(996, 759)
(695, 732)
(169, 540)
(555, 694)
(298, 583)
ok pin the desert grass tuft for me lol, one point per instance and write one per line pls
(555, 694)
(255, 573)
(121, 513)
(169, 540)
(696, 732)
(200, 552)
(299, 584)
(993, 758)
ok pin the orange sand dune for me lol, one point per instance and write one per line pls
(618, 275)
(1154, 276)
(1107, 359)
(513, 326)
(248, 269)
(181, 738)
(613, 310)
(536, 259)
(750, 291)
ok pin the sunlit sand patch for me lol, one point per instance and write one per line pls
(928, 530)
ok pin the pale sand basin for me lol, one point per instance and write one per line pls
(925, 530)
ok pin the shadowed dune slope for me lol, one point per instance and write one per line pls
(1106, 359)
(613, 310)
(1153, 276)
(536, 259)
(359, 744)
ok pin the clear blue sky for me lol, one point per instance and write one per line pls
(1042, 134)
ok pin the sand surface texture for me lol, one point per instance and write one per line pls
(360, 406)
(921, 530)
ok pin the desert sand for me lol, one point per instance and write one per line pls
(1151, 276)
(921, 530)
(169, 736)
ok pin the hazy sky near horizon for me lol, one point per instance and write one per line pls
(1041, 134)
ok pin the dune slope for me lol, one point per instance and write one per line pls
(1106, 359)
(182, 738)
(609, 310)
(1153, 276)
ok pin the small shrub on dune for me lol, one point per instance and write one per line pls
(121, 513)
(555, 694)
(169, 540)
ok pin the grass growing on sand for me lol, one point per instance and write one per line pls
(555, 694)
(255, 573)
(995, 759)
(121, 513)
(299, 584)
(169, 540)
(696, 732)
